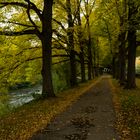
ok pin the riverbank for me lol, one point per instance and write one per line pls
(29, 118)
(16, 98)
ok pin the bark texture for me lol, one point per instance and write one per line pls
(46, 40)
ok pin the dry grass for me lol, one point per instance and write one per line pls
(26, 120)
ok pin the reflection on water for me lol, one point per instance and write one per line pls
(20, 97)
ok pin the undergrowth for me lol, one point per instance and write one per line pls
(4, 107)
(128, 111)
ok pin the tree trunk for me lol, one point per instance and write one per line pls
(46, 40)
(133, 11)
(113, 66)
(94, 63)
(122, 41)
(82, 62)
(131, 83)
(117, 69)
(98, 58)
(90, 64)
(81, 55)
(73, 80)
(122, 54)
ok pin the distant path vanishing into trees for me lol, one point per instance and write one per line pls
(91, 117)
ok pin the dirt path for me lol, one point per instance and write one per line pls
(92, 117)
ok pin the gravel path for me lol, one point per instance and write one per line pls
(92, 117)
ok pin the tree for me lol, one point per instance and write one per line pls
(132, 28)
(70, 32)
(81, 42)
(122, 14)
(45, 36)
(105, 26)
(89, 5)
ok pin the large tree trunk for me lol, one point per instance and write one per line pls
(131, 83)
(46, 39)
(122, 49)
(73, 80)
(122, 54)
(122, 41)
(114, 67)
(133, 11)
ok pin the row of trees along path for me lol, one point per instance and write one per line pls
(118, 28)
(91, 117)
(114, 23)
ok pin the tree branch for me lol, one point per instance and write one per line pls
(17, 23)
(60, 62)
(58, 22)
(29, 16)
(60, 36)
(60, 55)
(26, 49)
(62, 4)
(23, 5)
(24, 32)
(77, 10)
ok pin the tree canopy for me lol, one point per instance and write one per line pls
(60, 43)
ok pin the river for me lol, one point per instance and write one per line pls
(22, 96)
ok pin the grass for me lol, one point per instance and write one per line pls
(4, 108)
(28, 119)
(127, 105)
